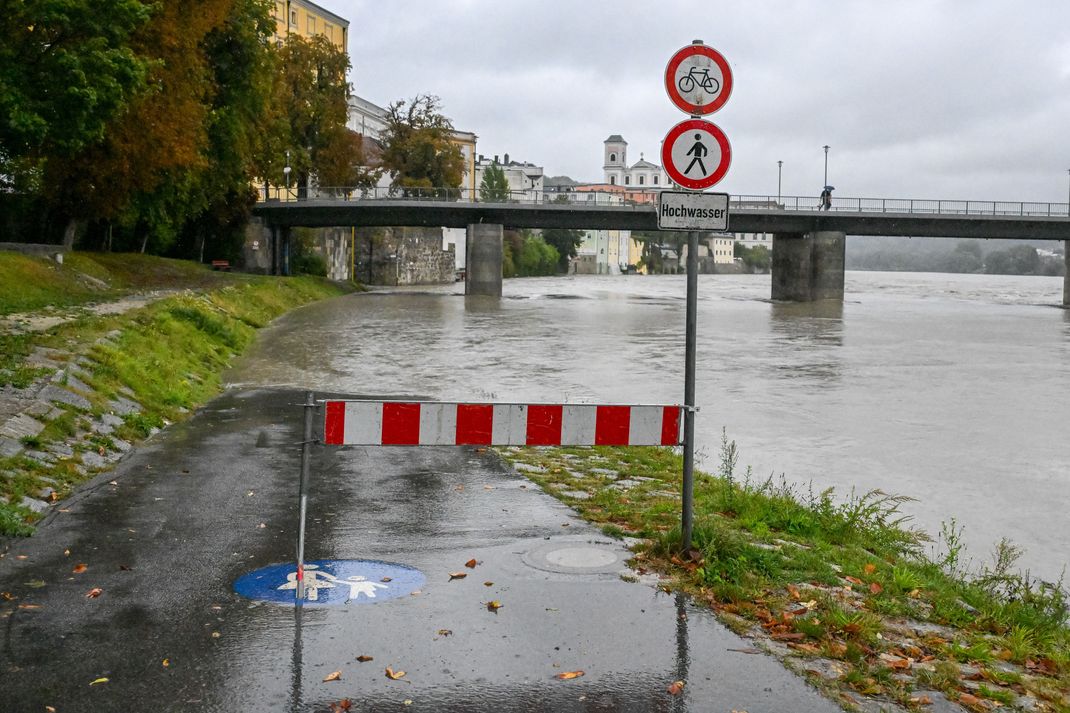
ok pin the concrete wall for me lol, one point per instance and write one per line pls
(403, 256)
(256, 251)
(1066, 277)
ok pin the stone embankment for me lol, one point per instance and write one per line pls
(25, 413)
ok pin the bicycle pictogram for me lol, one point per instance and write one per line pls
(701, 78)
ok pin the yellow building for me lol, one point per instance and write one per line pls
(307, 19)
(466, 142)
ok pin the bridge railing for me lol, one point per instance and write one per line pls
(637, 200)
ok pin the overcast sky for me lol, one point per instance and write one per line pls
(938, 99)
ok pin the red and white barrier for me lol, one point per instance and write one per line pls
(397, 423)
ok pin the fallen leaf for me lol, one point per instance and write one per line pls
(806, 648)
(66, 553)
(471, 564)
(21, 557)
(457, 575)
(407, 702)
(968, 700)
(488, 584)
(747, 651)
(50, 709)
(387, 579)
(341, 706)
(870, 568)
(112, 482)
(79, 568)
(675, 688)
(334, 676)
(94, 593)
(36, 583)
(393, 675)
(921, 701)
(494, 606)
(854, 580)
(875, 588)
(216, 634)
(794, 592)
(896, 662)
(569, 675)
(7, 596)
(444, 632)
(29, 606)
(99, 680)
(125, 568)
(262, 526)
(364, 658)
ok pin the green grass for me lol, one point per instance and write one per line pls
(169, 355)
(839, 571)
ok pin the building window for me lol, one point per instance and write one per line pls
(293, 17)
(612, 180)
(328, 30)
(627, 180)
(311, 25)
(641, 180)
(655, 180)
(612, 158)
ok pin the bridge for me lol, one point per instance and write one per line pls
(808, 243)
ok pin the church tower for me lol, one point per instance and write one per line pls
(616, 159)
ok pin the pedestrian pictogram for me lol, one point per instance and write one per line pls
(331, 582)
(696, 154)
(698, 79)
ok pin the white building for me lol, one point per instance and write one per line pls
(525, 179)
(643, 174)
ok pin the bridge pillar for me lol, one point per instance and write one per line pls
(483, 264)
(1066, 277)
(808, 266)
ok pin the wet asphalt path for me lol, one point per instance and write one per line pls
(166, 534)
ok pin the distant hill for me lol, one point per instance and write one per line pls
(959, 255)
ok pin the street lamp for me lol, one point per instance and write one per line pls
(779, 166)
(286, 172)
(826, 164)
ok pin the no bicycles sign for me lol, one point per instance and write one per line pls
(698, 79)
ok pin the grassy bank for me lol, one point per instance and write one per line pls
(166, 357)
(841, 589)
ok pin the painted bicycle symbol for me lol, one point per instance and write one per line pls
(700, 78)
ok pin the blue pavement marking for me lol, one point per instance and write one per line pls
(332, 582)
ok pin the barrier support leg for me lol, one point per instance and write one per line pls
(306, 466)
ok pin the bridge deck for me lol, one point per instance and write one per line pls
(399, 212)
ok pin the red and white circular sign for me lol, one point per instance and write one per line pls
(696, 154)
(698, 80)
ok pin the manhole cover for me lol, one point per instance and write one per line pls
(578, 557)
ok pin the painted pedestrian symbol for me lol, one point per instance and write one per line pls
(699, 150)
(332, 582)
(316, 579)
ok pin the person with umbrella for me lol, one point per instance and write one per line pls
(826, 198)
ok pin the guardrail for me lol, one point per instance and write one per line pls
(913, 206)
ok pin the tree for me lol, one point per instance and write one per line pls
(565, 241)
(418, 147)
(312, 95)
(66, 70)
(1016, 260)
(494, 188)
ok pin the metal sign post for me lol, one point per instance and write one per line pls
(690, 349)
(696, 155)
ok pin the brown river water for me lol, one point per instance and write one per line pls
(952, 389)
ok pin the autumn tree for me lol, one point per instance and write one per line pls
(494, 187)
(312, 94)
(418, 147)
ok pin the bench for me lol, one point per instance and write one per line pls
(223, 265)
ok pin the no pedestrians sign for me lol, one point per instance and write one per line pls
(696, 154)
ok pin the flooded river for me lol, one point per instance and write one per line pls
(954, 389)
